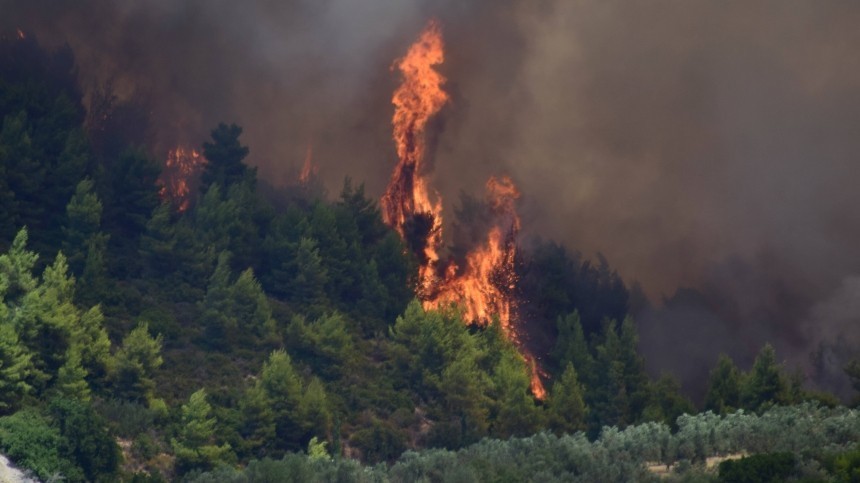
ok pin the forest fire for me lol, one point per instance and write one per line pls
(484, 287)
(309, 169)
(179, 175)
(407, 205)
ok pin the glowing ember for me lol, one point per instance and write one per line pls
(309, 170)
(485, 285)
(21, 35)
(181, 170)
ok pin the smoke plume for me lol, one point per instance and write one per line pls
(705, 146)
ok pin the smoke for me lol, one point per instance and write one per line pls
(702, 145)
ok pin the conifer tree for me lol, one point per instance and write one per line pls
(516, 413)
(572, 347)
(566, 404)
(196, 447)
(135, 364)
(765, 384)
(225, 155)
(83, 223)
(15, 365)
(723, 394)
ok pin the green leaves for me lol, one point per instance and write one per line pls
(134, 365)
(195, 448)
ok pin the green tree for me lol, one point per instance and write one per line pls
(311, 277)
(196, 447)
(723, 394)
(572, 347)
(83, 224)
(666, 402)
(237, 311)
(326, 344)
(215, 308)
(252, 312)
(283, 386)
(85, 245)
(54, 329)
(16, 270)
(566, 407)
(516, 413)
(135, 364)
(225, 154)
(15, 366)
(132, 196)
(230, 219)
(765, 384)
(174, 256)
(87, 439)
(314, 412)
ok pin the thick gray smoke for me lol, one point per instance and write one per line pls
(707, 145)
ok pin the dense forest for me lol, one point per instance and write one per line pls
(271, 333)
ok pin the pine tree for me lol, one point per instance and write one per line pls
(217, 322)
(723, 394)
(566, 404)
(135, 364)
(83, 222)
(15, 365)
(71, 378)
(196, 448)
(282, 387)
(16, 270)
(250, 308)
(666, 402)
(516, 413)
(132, 196)
(572, 347)
(765, 384)
(314, 412)
(225, 154)
(308, 286)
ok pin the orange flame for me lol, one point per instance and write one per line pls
(309, 170)
(21, 35)
(180, 170)
(418, 98)
(485, 287)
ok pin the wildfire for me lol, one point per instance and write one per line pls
(180, 172)
(309, 170)
(407, 204)
(484, 287)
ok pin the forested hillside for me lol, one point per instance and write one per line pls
(261, 332)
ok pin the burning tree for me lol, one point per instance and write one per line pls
(484, 286)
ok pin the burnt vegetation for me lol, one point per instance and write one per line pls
(261, 335)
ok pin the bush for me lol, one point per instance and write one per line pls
(86, 439)
(31, 442)
(760, 468)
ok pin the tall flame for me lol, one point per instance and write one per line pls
(180, 172)
(485, 285)
(407, 199)
(309, 170)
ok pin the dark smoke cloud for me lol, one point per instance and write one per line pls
(707, 145)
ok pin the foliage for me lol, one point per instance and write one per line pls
(766, 467)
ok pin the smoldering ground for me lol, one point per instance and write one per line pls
(703, 145)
